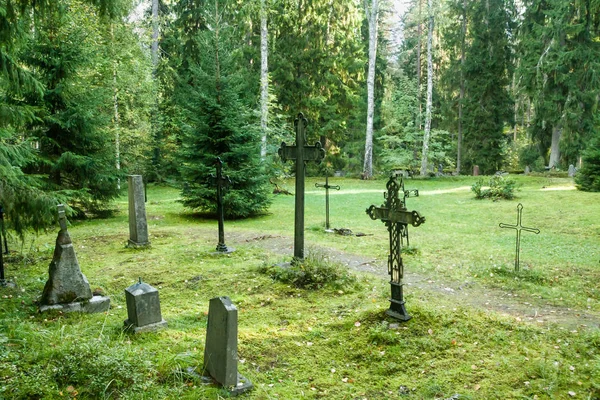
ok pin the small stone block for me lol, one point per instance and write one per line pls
(128, 326)
(143, 305)
(96, 304)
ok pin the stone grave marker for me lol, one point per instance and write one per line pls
(475, 170)
(327, 186)
(67, 289)
(300, 153)
(572, 170)
(143, 308)
(396, 218)
(220, 352)
(138, 226)
(527, 170)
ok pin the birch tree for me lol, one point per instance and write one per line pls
(429, 105)
(372, 14)
(264, 78)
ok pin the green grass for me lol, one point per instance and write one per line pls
(335, 342)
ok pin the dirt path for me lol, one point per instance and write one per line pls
(522, 308)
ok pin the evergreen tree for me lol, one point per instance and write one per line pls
(487, 72)
(219, 124)
(588, 177)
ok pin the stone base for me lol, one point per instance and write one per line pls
(129, 327)
(242, 386)
(135, 245)
(94, 305)
(398, 311)
(223, 250)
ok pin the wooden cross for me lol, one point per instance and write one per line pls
(518, 227)
(301, 153)
(327, 186)
(396, 218)
(222, 182)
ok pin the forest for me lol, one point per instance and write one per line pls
(94, 90)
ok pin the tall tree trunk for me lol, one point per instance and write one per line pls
(555, 148)
(154, 118)
(429, 104)
(372, 14)
(154, 35)
(461, 94)
(116, 109)
(419, 33)
(264, 78)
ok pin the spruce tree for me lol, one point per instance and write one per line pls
(217, 123)
(588, 177)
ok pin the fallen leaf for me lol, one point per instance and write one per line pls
(430, 331)
(357, 324)
(476, 387)
(572, 393)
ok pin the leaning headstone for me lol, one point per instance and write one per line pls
(138, 226)
(143, 308)
(67, 289)
(220, 352)
(475, 170)
(572, 170)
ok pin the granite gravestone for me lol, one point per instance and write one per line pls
(220, 352)
(527, 170)
(67, 289)
(138, 226)
(143, 308)
(475, 170)
(572, 170)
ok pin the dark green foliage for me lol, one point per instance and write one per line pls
(488, 68)
(498, 188)
(314, 272)
(588, 177)
(217, 123)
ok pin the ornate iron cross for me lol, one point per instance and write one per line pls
(301, 153)
(518, 227)
(327, 186)
(396, 218)
(222, 183)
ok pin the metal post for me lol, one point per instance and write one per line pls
(300, 124)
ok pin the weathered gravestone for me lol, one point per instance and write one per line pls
(475, 170)
(138, 226)
(327, 186)
(220, 352)
(572, 170)
(143, 308)
(518, 227)
(396, 218)
(67, 289)
(222, 183)
(300, 153)
(527, 170)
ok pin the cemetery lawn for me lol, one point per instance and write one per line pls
(479, 330)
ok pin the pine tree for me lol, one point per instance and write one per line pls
(588, 177)
(219, 124)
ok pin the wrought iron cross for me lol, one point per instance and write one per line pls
(396, 218)
(222, 183)
(518, 227)
(327, 186)
(301, 153)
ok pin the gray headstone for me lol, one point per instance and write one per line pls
(67, 289)
(138, 226)
(475, 170)
(220, 352)
(572, 170)
(527, 170)
(143, 308)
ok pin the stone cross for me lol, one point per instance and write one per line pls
(396, 218)
(222, 183)
(518, 227)
(220, 351)
(301, 153)
(138, 226)
(327, 186)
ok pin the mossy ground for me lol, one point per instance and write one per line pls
(335, 342)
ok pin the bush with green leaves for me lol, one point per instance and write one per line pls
(497, 188)
(314, 272)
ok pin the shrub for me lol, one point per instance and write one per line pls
(498, 188)
(588, 177)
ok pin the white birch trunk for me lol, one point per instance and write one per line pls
(154, 34)
(372, 14)
(264, 78)
(462, 89)
(429, 104)
(555, 147)
(116, 110)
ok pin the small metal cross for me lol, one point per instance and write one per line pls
(300, 153)
(327, 186)
(222, 183)
(518, 227)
